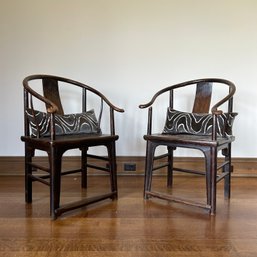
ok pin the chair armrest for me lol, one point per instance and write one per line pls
(52, 107)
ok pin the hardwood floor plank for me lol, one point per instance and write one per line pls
(130, 226)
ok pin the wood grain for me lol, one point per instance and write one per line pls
(130, 226)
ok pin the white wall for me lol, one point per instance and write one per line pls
(129, 49)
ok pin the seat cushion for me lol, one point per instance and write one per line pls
(178, 122)
(68, 124)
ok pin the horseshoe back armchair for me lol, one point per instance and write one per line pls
(206, 127)
(55, 132)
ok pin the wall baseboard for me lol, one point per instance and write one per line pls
(14, 165)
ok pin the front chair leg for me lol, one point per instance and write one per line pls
(55, 160)
(29, 153)
(211, 176)
(213, 179)
(207, 156)
(149, 162)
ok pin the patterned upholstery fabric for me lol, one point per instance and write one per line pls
(79, 123)
(197, 123)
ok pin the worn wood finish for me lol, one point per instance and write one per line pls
(202, 97)
(55, 146)
(208, 145)
(130, 226)
(51, 92)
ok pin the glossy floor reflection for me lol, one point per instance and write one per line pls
(129, 226)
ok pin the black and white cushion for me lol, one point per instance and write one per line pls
(79, 123)
(197, 123)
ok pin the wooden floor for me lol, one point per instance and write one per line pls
(130, 226)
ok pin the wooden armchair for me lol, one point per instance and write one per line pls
(202, 128)
(54, 132)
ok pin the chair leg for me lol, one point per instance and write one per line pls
(170, 167)
(29, 153)
(207, 155)
(55, 160)
(113, 169)
(211, 174)
(228, 169)
(213, 179)
(149, 161)
(84, 167)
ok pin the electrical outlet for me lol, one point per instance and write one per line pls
(130, 167)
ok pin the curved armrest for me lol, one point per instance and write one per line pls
(52, 107)
(199, 96)
(93, 90)
(229, 97)
(115, 108)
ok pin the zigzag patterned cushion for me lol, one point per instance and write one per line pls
(79, 123)
(197, 123)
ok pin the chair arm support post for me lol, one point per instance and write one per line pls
(149, 123)
(214, 127)
(112, 125)
(52, 126)
(26, 103)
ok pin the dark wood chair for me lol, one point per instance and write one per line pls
(199, 129)
(55, 132)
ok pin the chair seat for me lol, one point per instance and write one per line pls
(188, 139)
(69, 142)
(72, 139)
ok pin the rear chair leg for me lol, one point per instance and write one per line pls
(84, 167)
(170, 167)
(113, 169)
(227, 168)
